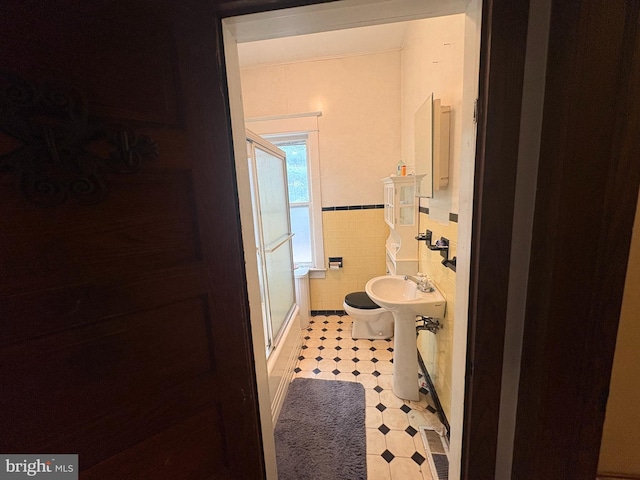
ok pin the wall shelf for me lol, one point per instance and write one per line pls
(401, 214)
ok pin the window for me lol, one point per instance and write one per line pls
(299, 198)
(297, 136)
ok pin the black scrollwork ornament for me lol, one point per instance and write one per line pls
(58, 151)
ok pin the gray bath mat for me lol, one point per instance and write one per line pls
(320, 434)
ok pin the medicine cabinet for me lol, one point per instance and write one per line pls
(431, 140)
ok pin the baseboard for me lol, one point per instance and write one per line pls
(434, 395)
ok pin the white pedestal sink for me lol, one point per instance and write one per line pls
(405, 301)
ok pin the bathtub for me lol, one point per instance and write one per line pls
(281, 362)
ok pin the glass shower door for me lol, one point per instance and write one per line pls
(274, 237)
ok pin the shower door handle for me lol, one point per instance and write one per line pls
(274, 246)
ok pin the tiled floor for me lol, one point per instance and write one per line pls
(394, 446)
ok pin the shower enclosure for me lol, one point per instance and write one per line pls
(268, 177)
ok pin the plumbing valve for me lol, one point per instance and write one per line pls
(427, 323)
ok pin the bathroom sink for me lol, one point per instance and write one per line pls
(394, 293)
(404, 300)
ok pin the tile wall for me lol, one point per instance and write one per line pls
(357, 234)
(437, 350)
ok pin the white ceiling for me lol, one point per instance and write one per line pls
(337, 43)
(334, 29)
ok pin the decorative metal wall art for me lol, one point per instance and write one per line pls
(56, 150)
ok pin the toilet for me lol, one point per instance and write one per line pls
(370, 321)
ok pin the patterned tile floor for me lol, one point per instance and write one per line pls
(394, 446)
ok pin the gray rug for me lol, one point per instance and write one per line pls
(320, 434)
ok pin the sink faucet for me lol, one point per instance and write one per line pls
(421, 281)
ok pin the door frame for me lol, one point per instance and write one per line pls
(498, 123)
(502, 59)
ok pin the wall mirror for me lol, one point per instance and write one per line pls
(423, 141)
(431, 139)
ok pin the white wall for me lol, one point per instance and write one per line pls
(359, 98)
(466, 168)
(432, 62)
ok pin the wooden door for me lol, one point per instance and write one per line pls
(587, 192)
(124, 332)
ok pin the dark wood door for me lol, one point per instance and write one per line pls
(124, 332)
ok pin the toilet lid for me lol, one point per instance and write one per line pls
(360, 300)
